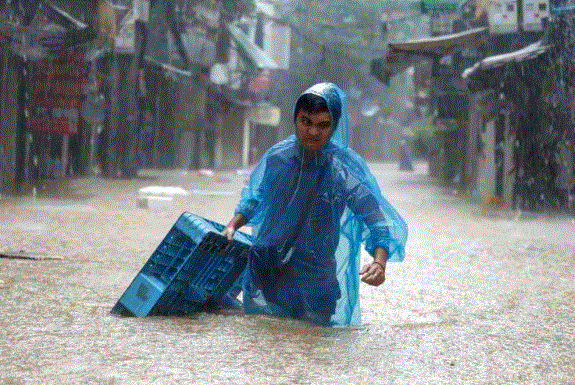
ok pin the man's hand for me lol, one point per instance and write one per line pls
(374, 273)
(235, 223)
(229, 232)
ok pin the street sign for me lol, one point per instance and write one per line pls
(439, 6)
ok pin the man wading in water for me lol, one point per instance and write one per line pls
(312, 201)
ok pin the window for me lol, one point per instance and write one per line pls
(496, 7)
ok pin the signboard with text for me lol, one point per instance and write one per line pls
(439, 6)
(55, 93)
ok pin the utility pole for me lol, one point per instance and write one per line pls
(194, 81)
(21, 166)
(142, 16)
(171, 19)
(28, 10)
(222, 57)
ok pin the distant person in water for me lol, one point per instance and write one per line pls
(312, 201)
(405, 163)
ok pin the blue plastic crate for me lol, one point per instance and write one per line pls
(193, 268)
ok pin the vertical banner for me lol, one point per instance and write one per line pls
(56, 90)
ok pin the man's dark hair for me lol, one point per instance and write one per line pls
(311, 103)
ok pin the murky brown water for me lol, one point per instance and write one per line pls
(483, 297)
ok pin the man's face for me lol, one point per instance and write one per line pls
(313, 129)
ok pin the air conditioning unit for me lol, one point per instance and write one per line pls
(505, 16)
(502, 16)
(534, 11)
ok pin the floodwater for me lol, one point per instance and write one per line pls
(485, 296)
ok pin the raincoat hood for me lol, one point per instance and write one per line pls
(336, 101)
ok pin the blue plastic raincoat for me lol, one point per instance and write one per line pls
(310, 215)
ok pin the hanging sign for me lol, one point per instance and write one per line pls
(55, 93)
(439, 6)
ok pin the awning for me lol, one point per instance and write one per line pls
(252, 55)
(169, 71)
(402, 55)
(92, 54)
(530, 52)
(439, 45)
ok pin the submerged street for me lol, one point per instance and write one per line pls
(484, 296)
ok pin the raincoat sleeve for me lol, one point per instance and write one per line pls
(365, 206)
(251, 198)
(252, 204)
(384, 226)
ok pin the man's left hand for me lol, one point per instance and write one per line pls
(373, 274)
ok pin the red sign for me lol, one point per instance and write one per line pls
(56, 92)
